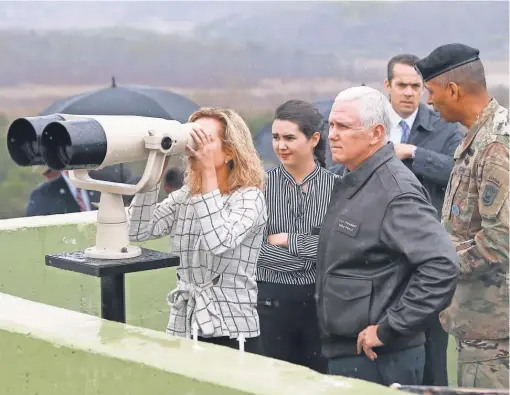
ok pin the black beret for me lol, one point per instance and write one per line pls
(445, 58)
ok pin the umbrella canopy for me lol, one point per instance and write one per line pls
(263, 139)
(126, 100)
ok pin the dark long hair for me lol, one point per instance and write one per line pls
(309, 121)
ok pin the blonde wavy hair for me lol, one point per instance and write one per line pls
(246, 169)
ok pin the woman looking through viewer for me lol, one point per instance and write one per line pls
(297, 196)
(216, 222)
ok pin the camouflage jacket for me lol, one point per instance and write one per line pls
(475, 215)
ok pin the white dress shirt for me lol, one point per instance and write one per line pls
(396, 129)
(74, 190)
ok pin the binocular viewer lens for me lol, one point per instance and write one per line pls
(69, 142)
(75, 144)
(24, 139)
(59, 144)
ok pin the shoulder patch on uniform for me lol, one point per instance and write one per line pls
(489, 194)
(494, 180)
(455, 210)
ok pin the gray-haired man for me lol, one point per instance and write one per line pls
(385, 264)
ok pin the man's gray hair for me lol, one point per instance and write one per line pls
(374, 106)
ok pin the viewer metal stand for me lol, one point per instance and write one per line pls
(111, 272)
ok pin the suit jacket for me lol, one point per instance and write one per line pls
(436, 142)
(54, 197)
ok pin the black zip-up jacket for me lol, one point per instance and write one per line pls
(383, 258)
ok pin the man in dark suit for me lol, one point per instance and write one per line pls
(426, 144)
(423, 141)
(58, 195)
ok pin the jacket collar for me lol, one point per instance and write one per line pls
(487, 113)
(423, 119)
(309, 177)
(354, 180)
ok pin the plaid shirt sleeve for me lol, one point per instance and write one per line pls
(224, 228)
(149, 219)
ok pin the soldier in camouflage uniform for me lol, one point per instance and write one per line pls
(475, 213)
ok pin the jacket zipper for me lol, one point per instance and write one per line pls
(321, 277)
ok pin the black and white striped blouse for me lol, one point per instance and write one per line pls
(294, 209)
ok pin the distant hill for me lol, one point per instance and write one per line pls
(350, 29)
(233, 44)
(148, 58)
(371, 29)
(161, 16)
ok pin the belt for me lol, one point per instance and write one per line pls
(198, 307)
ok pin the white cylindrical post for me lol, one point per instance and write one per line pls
(112, 237)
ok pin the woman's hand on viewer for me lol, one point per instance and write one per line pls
(204, 153)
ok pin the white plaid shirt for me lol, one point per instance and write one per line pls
(218, 239)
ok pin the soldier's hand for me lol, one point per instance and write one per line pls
(367, 339)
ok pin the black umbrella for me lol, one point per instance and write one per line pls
(263, 139)
(126, 100)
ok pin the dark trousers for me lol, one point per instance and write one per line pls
(289, 328)
(404, 367)
(435, 354)
(250, 345)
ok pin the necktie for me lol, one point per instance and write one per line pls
(79, 200)
(405, 131)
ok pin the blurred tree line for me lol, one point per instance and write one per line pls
(148, 58)
(321, 42)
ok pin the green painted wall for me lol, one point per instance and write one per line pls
(51, 351)
(24, 242)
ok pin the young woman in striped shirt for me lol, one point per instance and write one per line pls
(297, 196)
(216, 223)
